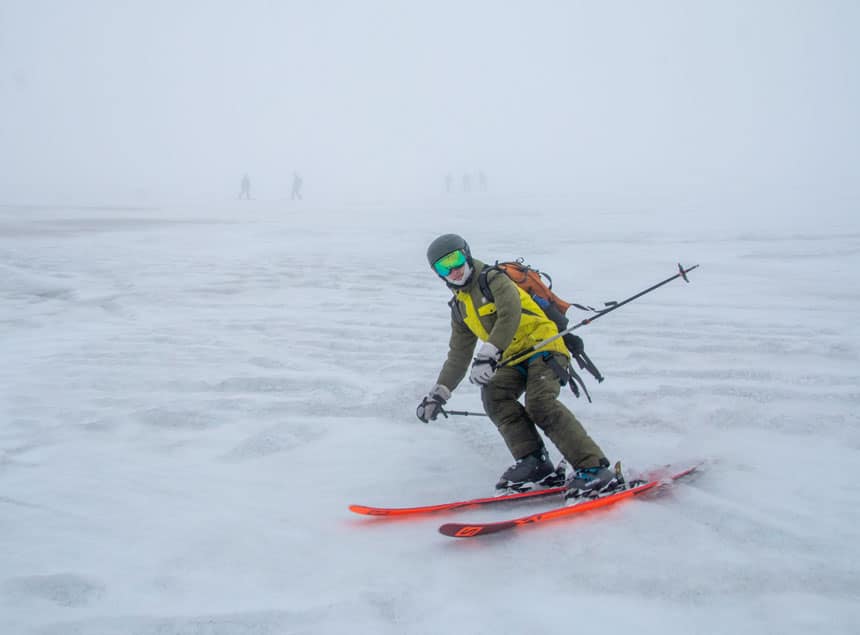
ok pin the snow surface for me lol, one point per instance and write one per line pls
(190, 398)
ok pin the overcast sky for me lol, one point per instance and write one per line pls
(700, 101)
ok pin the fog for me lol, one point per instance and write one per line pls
(195, 388)
(717, 107)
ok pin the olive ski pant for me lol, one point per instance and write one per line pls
(518, 424)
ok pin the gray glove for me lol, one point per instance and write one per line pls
(431, 405)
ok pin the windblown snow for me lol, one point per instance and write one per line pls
(191, 397)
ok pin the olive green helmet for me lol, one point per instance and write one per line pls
(444, 245)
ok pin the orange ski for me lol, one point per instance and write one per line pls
(426, 509)
(470, 530)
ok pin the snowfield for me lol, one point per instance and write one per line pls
(191, 396)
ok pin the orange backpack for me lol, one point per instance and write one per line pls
(532, 282)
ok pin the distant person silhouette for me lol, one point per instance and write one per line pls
(245, 191)
(449, 180)
(482, 181)
(296, 192)
(467, 183)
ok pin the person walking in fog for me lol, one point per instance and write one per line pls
(245, 188)
(509, 324)
(482, 181)
(296, 191)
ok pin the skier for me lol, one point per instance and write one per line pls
(245, 191)
(513, 322)
(482, 181)
(296, 191)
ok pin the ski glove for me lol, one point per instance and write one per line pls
(431, 405)
(485, 364)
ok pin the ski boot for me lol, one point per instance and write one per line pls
(593, 482)
(534, 471)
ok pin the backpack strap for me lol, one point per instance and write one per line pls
(456, 313)
(568, 376)
(484, 284)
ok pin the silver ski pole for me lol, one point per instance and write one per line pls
(464, 413)
(682, 273)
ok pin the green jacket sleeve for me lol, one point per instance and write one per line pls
(461, 345)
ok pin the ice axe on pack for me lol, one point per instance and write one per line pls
(523, 355)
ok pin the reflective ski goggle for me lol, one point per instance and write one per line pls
(446, 263)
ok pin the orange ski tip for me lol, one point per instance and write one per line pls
(379, 511)
(395, 511)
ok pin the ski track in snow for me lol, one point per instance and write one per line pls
(191, 398)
